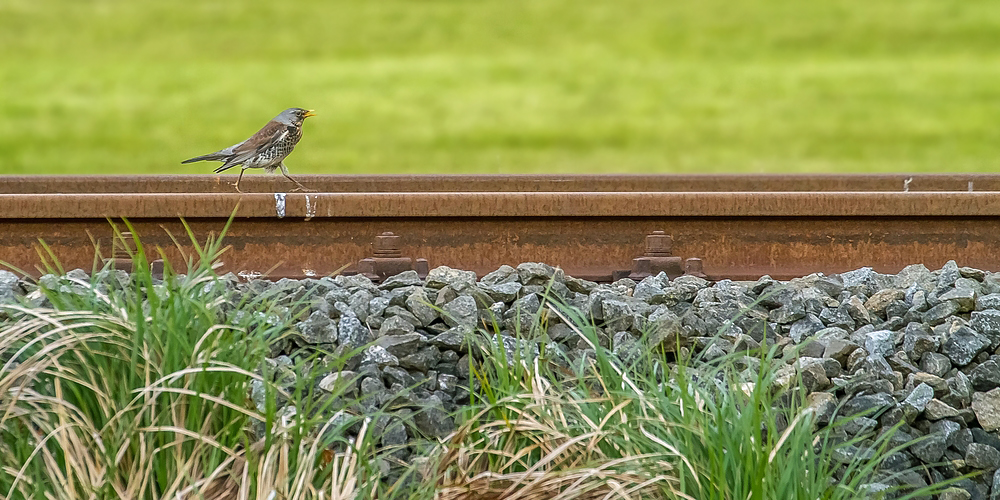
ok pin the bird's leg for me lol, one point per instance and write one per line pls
(240, 178)
(284, 171)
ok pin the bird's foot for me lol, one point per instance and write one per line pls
(304, 189)
(237, 186)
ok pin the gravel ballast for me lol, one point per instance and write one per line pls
(919, 348)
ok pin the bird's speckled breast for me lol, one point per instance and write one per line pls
(272, 156)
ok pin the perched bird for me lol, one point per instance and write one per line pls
(266, 149)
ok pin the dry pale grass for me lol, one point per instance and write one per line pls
(547, 445)
(91, 445)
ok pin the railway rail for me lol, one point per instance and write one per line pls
(595, 227)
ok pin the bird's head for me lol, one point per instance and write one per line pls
(294, 116)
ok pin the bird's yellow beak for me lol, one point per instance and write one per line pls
(309, 113)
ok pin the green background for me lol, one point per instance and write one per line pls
(505, 86)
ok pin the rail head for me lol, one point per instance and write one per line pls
(500, 204)
(222, 184)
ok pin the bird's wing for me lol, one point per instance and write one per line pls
(263, 139)
(257, 143)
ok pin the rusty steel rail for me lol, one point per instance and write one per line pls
(596, 227)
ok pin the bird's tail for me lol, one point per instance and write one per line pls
(210, 157)
(225, 166)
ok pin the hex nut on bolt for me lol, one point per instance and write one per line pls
(657, 258)
(388, 260)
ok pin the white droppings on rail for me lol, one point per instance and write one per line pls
(906, 185)
(309, 272)
(279, 204)
(970, 186)
(249, 275)
(310, 207)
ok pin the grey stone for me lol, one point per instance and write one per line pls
(422, 360)
(395, 375)
(377, 306)
(964, 298)
(930, 448)
(823, 405)
(394, 435)
(650, 289)
(986, 376)
(963, 438)
(879, 342)
(664, 329)
(358, 303)
(913, 274)
(935, 363)
(857, 426)
(520, 316)
(948, 429)
(351, 333)
(337, 294)
(401, 345)
(617, 314)
(862, 280)
(830, 285)
(503, 292)
(839, 350)
(318, 329)
(868, 402)
(402, 313)
(379, 356)
(807, 327)
(919, 339)
(948, 274)
(987, 323)
(432, 419)
(988, 301)
(8, 283)
(869, 490)
(919, 397)
(560, 332)
(448, 383)
(982, 456)
(578, 285)
(536, 273)
(790, 312)
(983, 437)
(461, 311)
(939, 313)
(443, 276)
(395, 325)
(837, 317)
(345, 381)
(455, 339)
(405, 278)
(517, 350)
(419, 304)
(505, 274)
(354, 282)
(963, 344)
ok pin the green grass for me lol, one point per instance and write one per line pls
(461, 86)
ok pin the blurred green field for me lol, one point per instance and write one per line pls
(512, 86)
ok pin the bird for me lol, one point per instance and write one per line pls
(266, 149)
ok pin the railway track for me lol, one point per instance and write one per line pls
(595, 227)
